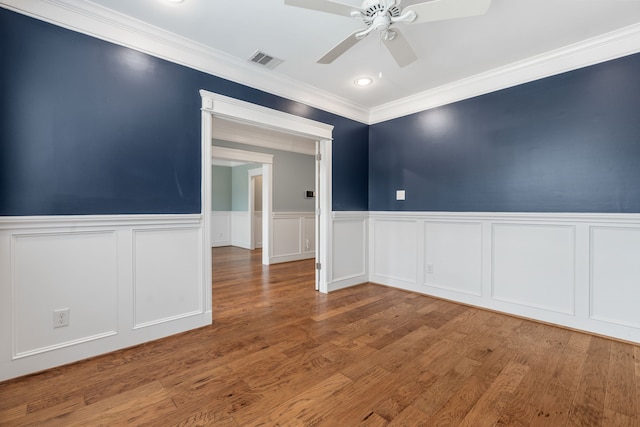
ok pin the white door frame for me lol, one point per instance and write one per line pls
(220, 106)
(252, 174)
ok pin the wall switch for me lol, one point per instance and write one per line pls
(399, 194)
(61, 318)
(429, 268)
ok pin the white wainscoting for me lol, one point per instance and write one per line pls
(576, 270)
(220, 228)
(349, 254)
(54, 271)
(124, 279)
(223, 233)
(257, 228)
(456, 249)
(162, 259)
(615, 275)
(294, 236)
(240, 235)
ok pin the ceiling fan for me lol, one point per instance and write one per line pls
(382, 15)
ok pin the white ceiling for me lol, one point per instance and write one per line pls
(227, 163)
(512, 30)
(511, 33)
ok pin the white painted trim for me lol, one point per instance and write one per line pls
(359, 249)
(325, 239)
(267, 208)
(88, 221)
(292, 215)
(252, 173)
(277, 259)
(513, 216)
(230, 108)
(97, 21)
(166, 319)
(616, 44)
(316, 205)
(205, 208)
(46, 349)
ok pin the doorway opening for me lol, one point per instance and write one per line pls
(239, 221)
(255, 208)
(223, 116)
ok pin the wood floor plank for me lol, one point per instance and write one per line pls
(280, 353)
(445, 386)
(308, 408)
(13, 414)
(488, 409)
(612, 418)
(410, 417)
(587, 409)
(359, 398)
(621, 386)
(568, 371)
(551, 407)
(136, 406)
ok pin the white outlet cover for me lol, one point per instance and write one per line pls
(400, 195)
(61, 318)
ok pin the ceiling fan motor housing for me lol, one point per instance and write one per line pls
(374, 9)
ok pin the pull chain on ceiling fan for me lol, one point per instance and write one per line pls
(381, 15)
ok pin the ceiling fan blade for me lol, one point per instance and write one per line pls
(400, 49)
(324, 6)
(439, 10)
(339, 49)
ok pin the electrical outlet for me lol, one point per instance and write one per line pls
(307, 244)
(61, 318)
(429, 268)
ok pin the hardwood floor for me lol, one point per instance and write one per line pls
(280, 353)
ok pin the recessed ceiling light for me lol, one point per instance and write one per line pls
(175, 1)
(363, 81)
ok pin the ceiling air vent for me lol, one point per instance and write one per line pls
(265, 60)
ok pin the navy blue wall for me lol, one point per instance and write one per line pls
(567, 143)
(89, 127)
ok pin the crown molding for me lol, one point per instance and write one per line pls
(87, 18)
(96, 21)
(612, 45)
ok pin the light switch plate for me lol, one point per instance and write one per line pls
(399, 194)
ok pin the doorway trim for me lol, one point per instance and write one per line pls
(223, 107)
(252, 175)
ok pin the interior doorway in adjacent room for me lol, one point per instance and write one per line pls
(255, 208)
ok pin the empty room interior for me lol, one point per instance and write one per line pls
(319, 212)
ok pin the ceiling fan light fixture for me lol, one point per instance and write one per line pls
(380, 15)
(363, 81)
